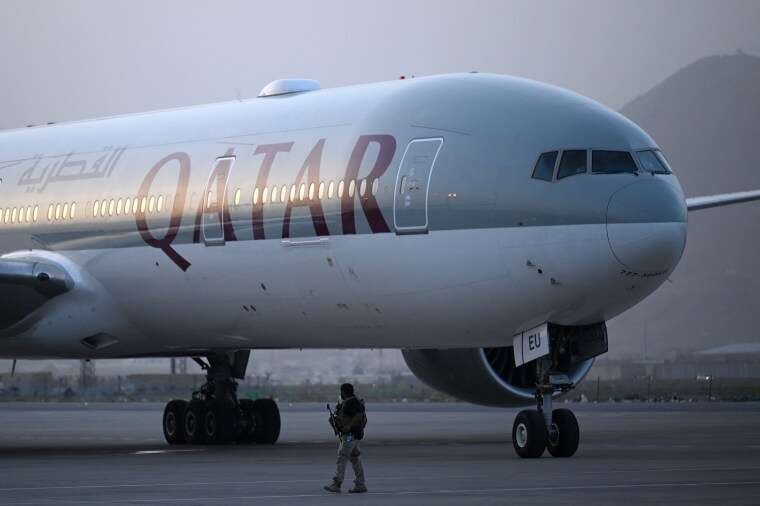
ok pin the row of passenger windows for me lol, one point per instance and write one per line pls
(64, 211)
(117, 207)
(13, 215)
(575, 161)
(157, 203)
(329, 190)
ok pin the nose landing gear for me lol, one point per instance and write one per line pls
(536, 430)
(215, 415)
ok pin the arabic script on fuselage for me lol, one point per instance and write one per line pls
(42, 171)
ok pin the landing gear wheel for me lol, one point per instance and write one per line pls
(529, 434)
(194, 418)
(219, 423)
(174, 422)
(247, 422)
(564, 440)
(267, 427)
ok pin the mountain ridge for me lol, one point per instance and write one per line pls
(706, 119)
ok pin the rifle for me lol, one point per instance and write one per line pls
(332, 421)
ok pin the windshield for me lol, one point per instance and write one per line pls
(612, 162)
(652, 161)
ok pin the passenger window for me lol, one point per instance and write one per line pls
(160, 203)
(544, 168)
(321, 191)
(340, 189)
(135, 204)
(66, 211)
(330, 189)
(103, 206)
(237, 197)
(302, 192)
(50, 213)
(375, 186)
(73, 210)
(363, 188)
(651, 162)
(255, 195)
(15, 212)
(36, 213)
(293, 190)
(28, 218)
(265, 196)
(573, 162)
(612, 162)
(312, 189)
(275, 193)
(119, 207)
(57, 212)
(111, 207)
(284, 193)
(127, 205)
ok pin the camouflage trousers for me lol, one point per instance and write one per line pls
(348, 450)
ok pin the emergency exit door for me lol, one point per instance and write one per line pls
(214, 209)
(410, 202)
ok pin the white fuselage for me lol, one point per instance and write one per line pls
(471, 252)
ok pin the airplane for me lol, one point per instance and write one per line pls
(486, 225)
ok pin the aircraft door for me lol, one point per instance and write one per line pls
(215, 213)
(410, 200)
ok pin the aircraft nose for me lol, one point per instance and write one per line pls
(646, 225)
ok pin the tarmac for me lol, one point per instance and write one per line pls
(414, 454)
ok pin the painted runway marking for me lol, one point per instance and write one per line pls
(203, 484)
(439, 492)
(154, 452)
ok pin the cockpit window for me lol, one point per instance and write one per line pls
(544, 168)
(573, 162)
(612, 162)
(653, 161)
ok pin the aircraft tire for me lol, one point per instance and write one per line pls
(194, 416)
(247, 425)
(267, 429)
(219, 423)
(566, 441)
(529, 434)
(174, 422)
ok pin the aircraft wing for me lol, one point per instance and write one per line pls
(723, 199)
(26, 284)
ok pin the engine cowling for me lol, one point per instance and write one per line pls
(488, 376)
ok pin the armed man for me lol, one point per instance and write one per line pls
(348, 422)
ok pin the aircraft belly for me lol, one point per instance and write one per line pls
(444, 289)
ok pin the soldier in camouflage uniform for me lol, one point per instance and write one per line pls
(350, 419)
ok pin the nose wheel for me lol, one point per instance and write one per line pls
(544, 428)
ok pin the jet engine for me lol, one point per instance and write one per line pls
(488, 376)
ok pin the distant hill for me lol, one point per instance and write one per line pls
(706, 119)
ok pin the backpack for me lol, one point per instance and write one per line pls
(360, 421)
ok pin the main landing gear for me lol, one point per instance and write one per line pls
(536, 430)
(216, 415)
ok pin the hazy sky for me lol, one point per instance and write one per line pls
(65, 59)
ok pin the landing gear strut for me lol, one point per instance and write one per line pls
(536, 430)
(214, 414)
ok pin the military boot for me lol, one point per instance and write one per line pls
(333, 487)
(358, 489)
